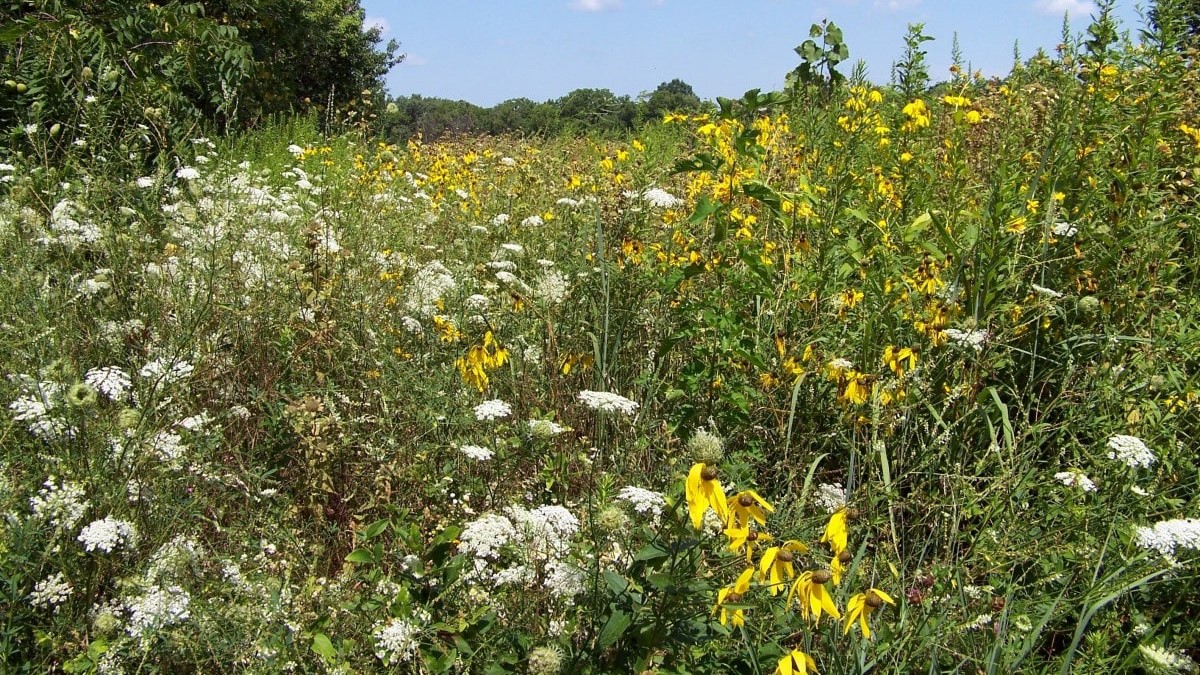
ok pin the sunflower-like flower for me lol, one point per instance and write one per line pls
(860, 606)
(747, 538)
(734, 594)
(796, 662)
(837, 566)
(745, 505)
(776, 566)
(703, 491)
(836, 532)
(809, 591)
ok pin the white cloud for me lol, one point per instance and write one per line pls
(595, 5)
(373, 21)
(1076, 8)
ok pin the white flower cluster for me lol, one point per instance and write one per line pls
(51, 592)
(111, 381)
(1130, 450)
(830, 497)
(1160, 660)
(1075, 478)
(661, 199)
(36, 408)
(492, 410)
(608, 402)
(476, 452)
(107, 534)
(486, 535)
(68, 228)
(552, 287)
(974, 339)
(545, 428)
(1064, 229)
(1169, 535)
(642, 500)
(396, 641)
(157, 608)
(165, 371)
(513, 548)
(60, 504)
(429, 285)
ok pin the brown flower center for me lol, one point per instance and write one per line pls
(821, 576)
(746, 501)
(873, 600)
(785, 556)
(845, 557)
(708, 472)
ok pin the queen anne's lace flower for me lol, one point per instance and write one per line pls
(660, 198)
(1075, 478)
(476, 452)
(1131, 450)
(157, 608)
(111, 381)
(50, 592)
(974, 339)
(608, 402)
(642, 500)
(107, 534)
(486, 535)
(492, 410)
(1169, 535)
(396, 641)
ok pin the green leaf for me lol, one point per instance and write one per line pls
(360, 555)
(616, 583)
(375, 529)
(704, 209)
(650, 552)
(614, 628)
(323, 647)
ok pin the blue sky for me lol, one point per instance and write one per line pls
(487, 51)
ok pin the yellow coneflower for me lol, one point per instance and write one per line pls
(860, 606)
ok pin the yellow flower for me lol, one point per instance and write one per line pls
(860, 606)
(809, 591)
(855, 389)
(836, 532)
(734, 595)
(703, 491)
(897, 359)
(746, 505)
(837, 566)
(776, 566)
(796, 663)
(746, 538)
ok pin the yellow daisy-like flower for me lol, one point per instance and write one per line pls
(860, 606)
(703, 491)
(809, 591)
(837, 566)
(776, 566)
(745, 505)
(747, 538)
(836, 532)
(796, 663)
(734, 594)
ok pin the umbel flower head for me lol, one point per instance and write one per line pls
(860, 606)
(703, 491)
(734, 594)
(796, 662)
(809, 591)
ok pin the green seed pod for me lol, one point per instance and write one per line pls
(22, 88)
(55, 130)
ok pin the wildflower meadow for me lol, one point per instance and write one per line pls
(847, 377)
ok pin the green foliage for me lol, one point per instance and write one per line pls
(819, 61)
(911, 73)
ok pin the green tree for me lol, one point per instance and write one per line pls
(673, 96)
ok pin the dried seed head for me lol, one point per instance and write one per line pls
(746, 501)
(785, 556)
(821, 576)
(752, 536)
(873, 600)
(709, 472)
(845, 557)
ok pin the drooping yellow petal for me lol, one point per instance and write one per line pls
(836, 534)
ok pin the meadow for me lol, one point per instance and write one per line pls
(845, 378)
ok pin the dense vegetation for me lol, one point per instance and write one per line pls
(847, 377)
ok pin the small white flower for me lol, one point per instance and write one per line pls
(187, 173)
(1160, 660)
(295, 149)
(397, 640)
(1046, 292)
(608, 402)
(1075, 478)
(1168, 535)
(50, 592)
(642, 500)
(1062, 229)
(476, 452)
(533, 221)
(660, 198)
(974, 339)
(492, 410)
(111, 381)
(1131, 450)
(830, 497)
(107, 534)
